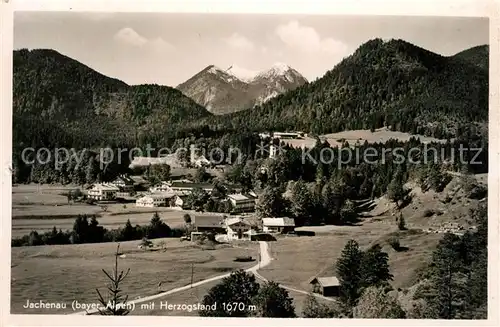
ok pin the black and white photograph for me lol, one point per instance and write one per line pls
(249, 165)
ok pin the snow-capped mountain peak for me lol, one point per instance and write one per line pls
(281, 73)
(243, 74)
(221, 73)
(225, 90)
(280, 68)
(214, 69)
(277, 69)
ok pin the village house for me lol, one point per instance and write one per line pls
(180, 187)
(209, 223)
(288, 135)
(238, 229)
(242, 202)
(177, 201)
(327, 286)
(102, 192)
(154, 200)
(140, 184)
(162, 187)
(125, 186)
(278, 225)
(124, 183)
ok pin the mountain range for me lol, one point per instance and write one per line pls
(224, 91)
(58, 101)
(383, 83)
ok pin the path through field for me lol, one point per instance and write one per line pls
(264, 260)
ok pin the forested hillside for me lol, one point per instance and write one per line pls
(478, 56)
(58, 101)
(391, 83)
(394, 83)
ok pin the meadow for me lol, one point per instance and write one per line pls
(40, 208)
(63, 273)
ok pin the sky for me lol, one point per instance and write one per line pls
(168, 48)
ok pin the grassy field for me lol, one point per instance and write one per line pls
(195, 295)
(380, 135)
(72, 272)
(293, 264)
(41, 208)
(57, 273)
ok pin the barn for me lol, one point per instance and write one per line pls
(327, 286)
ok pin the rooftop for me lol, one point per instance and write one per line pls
(124, 178)
(279, 222)
(238, 197)
(105, 187)
(232, 221)
(192, 185)
(326, 281)
(138, 179)
(160, 195)
(208, 221)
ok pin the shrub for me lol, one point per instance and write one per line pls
(401, 223)
(145, 243)
(477, 193)
(394, 243)
(243, 258)
(429, 213)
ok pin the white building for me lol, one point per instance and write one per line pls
(287, 135)
(182, 188)
(178, 202)
(241, 202)
(102, 192)
(273, 151)
(124, 183)
(154, 200)
(278, 225)
(162, 187)
(238, 229)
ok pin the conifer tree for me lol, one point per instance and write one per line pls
(116, 303)
(274, 302)
(349, 273)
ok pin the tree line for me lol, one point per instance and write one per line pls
(86, 229)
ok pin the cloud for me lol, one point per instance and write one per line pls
(160, 45)
(130, 37)
(307, 39)
(240, 42)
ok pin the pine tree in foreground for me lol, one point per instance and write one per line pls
(349, 274)
(274, 302)
(116, 304)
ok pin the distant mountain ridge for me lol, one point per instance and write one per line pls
(478, 55)
(229, 90)
(382, 84)
(59, 100)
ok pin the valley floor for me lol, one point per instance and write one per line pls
(73, 272)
